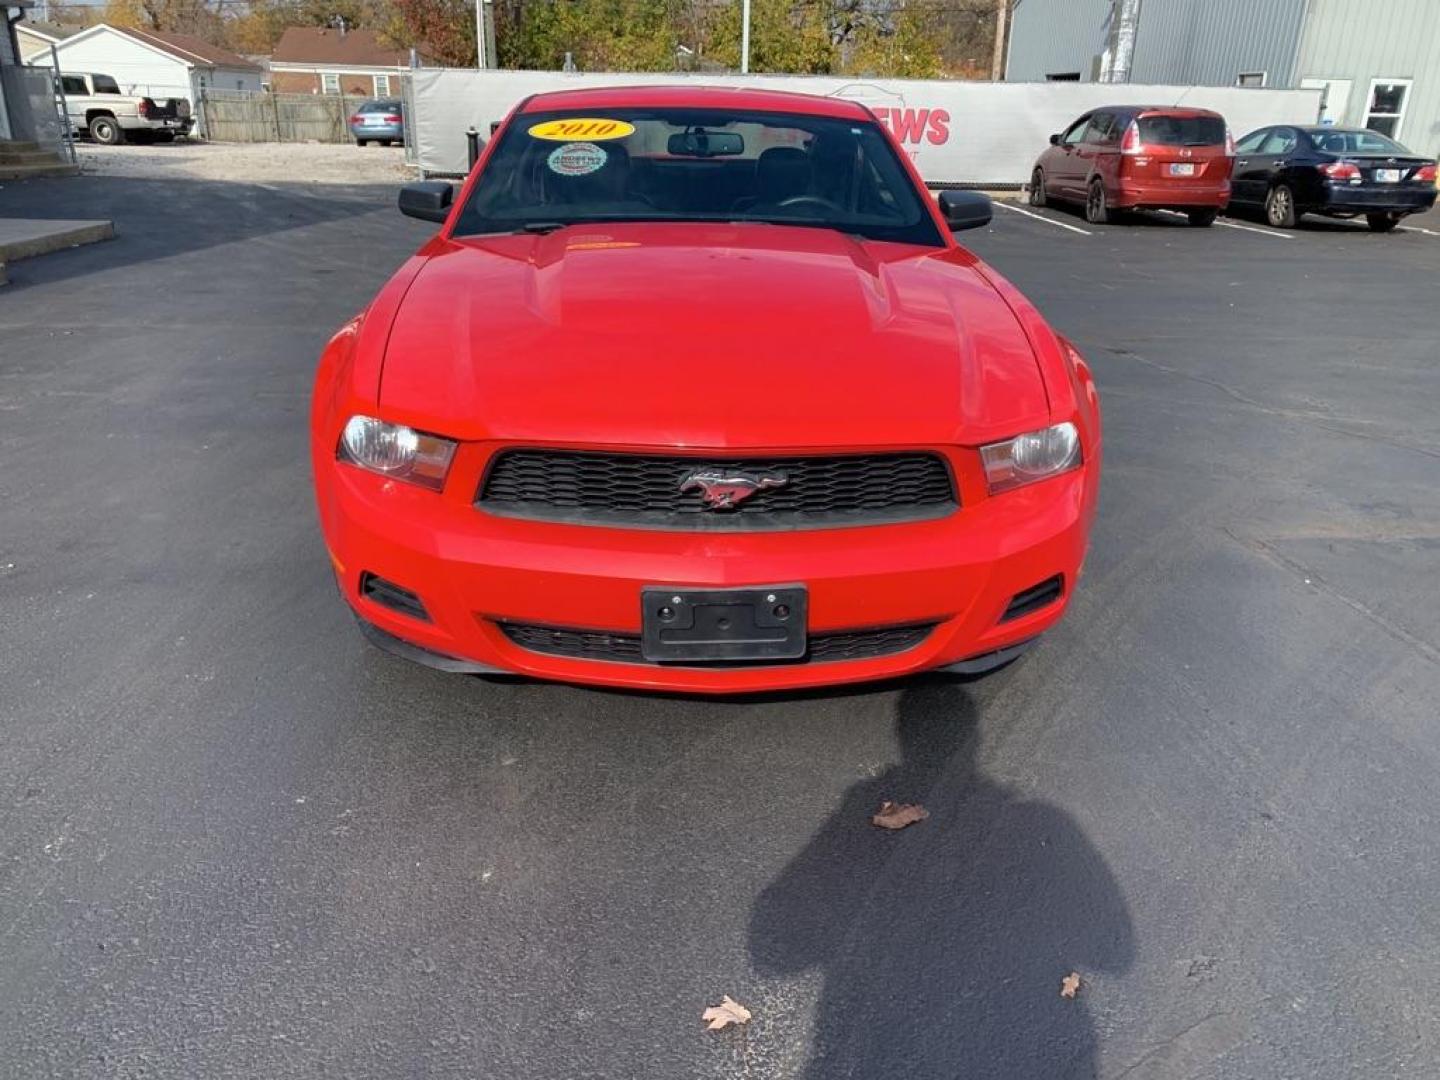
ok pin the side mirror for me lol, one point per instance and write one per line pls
(428, 200)
(965, 209)
(1055, 139)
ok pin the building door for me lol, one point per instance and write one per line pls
(1334, 98)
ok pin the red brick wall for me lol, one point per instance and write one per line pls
(351, 85)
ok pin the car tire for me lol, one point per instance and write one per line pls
(362, 142)
(1097, 203)
(105, 130)
(1202, 218)
(387, 142)
(1280, 210)
(1381, 222)
(164, 136)
(1037, 188)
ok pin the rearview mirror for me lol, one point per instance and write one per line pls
(698, 142)
(1055, 139)
(428, 200)
(965, 209)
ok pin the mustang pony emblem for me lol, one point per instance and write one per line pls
(721, 490)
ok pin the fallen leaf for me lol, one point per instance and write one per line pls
(1070, 984)
(898, 815)
(726, 1013)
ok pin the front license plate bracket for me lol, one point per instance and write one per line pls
(700, 626)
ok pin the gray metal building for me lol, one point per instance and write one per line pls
(1378, 61)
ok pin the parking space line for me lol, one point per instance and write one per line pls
(1273, 233)
(1234, 225)
(1417, 228)
(1042, 217)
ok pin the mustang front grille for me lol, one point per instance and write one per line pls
(725, 493)
(824, 647)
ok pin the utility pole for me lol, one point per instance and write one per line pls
(492, 56)
(481, 38)
(997, 61)
(745, 37)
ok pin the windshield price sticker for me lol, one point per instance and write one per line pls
(576, 159)
(593, 129)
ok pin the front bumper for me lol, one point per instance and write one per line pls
(1376, 198)
(474, 571)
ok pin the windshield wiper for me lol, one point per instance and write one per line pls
(542, 226)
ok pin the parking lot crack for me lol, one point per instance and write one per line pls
(1315, 581)
(1303, 416)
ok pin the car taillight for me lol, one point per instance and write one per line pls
(355, 119)
(1229, 143)
(392, 119)
(144, 108)
(1130, 143)
(1340, 170)
(1425, 174)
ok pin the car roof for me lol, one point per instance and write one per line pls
(696, 97)
(1170, 110)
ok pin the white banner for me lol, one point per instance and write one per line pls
(973, 133)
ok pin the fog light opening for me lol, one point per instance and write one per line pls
(1035, 598)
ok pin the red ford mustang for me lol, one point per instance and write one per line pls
(694, 390)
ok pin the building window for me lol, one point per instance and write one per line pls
(382, 85)
(1386, 109)
(329, 83)
(1250, 78)
(1063, 76)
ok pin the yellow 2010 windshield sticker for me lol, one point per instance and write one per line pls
(588, 128)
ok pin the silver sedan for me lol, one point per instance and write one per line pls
(379, 121)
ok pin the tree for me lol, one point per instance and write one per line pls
(902, 43)
(444, 30)
(182, 16)
(600, 35)
(786, 36)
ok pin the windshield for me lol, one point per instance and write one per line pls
(1182, 130)
(551, 169)
(104, 84)
(1355, 142)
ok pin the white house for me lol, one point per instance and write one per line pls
(153, 63)
(37, 37)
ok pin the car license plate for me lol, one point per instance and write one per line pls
(1387, 176)
(374, 121)
(720, 625)
(1183, 169)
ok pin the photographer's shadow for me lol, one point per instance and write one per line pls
(943, 946)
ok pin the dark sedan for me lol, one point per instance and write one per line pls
(378, 121)
(1338, 172)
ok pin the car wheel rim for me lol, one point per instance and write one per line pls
(1279, 205)
(1097, 199)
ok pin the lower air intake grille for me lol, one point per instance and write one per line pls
(392, 596)
(825, 647)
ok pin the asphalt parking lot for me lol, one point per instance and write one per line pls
(236, 841)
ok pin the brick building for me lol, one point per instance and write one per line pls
(322, 60)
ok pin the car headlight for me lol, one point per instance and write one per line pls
(1033, 456)
(397, 451)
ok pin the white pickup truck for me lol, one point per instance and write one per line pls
(97, 108)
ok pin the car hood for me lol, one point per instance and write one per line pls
(723, 336)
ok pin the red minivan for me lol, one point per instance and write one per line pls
(1139, 157)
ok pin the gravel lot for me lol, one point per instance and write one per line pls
(236, 841)
(259, 163)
